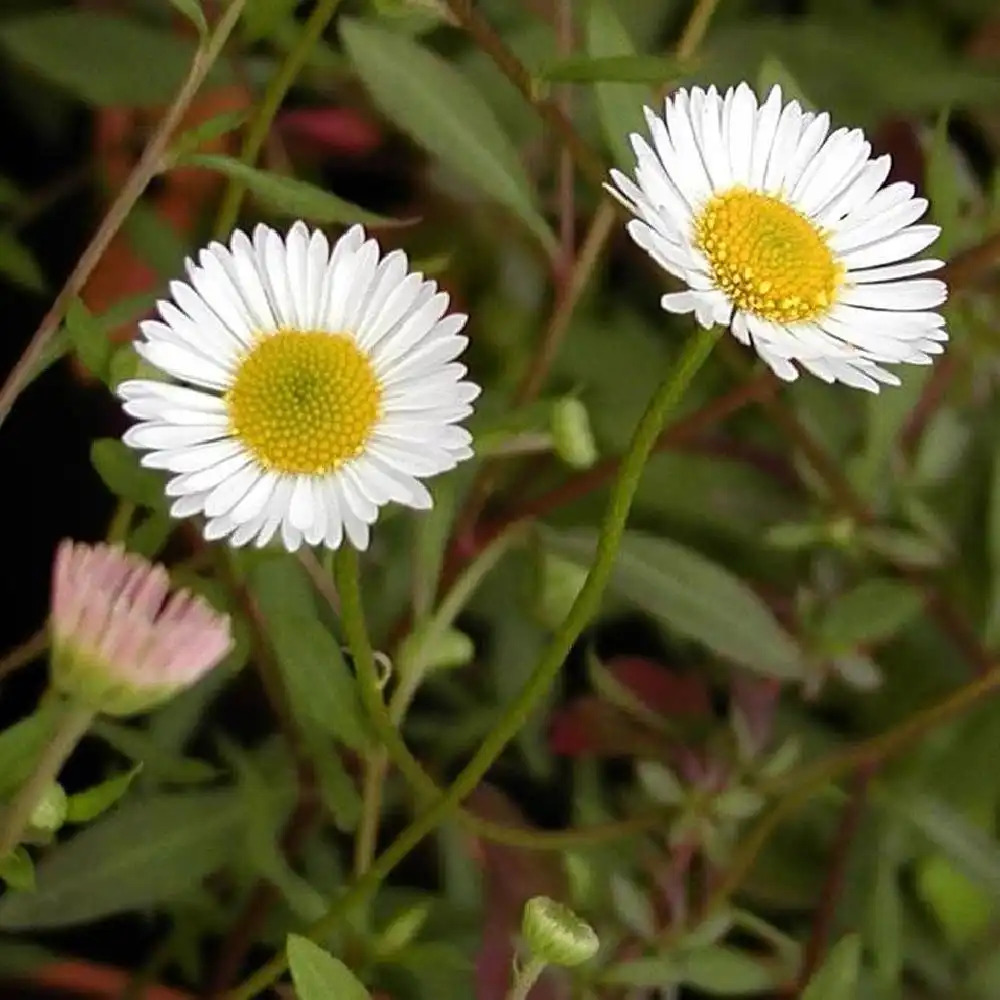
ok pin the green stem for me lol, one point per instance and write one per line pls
(412, 673)
(260, 124)
(525, 978)
(585, 606)
(70, 728)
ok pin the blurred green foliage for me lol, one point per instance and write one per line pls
(800, 573)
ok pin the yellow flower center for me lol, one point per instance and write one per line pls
(304, 403)
(768, 258)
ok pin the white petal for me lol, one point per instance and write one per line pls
(296, 274)
(201, 456)
(208, 478)
(786, 139)
(291, 537)
(164, 436)
(764, 134)
(905, 270)
(189, 505)
(242, 265)
(180, 363)
(914, 294)
(255, 501)
(808, 145)
(687, 169)
(228, 494)
(212, 282)
(740, 122)
(334, 515)
(898, 247)
(859, 191)
(300, 508)
(366, 264)
(339, 276)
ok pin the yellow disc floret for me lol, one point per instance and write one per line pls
(303, 403)
(767, 257)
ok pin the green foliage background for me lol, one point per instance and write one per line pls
(825, 563)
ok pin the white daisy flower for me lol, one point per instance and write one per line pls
(320, 384)
(783, 230)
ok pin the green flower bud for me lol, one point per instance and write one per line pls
(572, 437)
(50, 811)
(554, 934)
(559, 584)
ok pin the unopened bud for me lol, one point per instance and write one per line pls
(555, 934)
(122, 640)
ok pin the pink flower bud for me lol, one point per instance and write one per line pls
(122, 641)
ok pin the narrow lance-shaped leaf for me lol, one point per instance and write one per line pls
(100, 58)
(320, 686)
(873, 611)
(191, 9)
(288, 196)
(142, 854)
(619, 105)
(320, 976)
(694, 597)
(438, 107)
(89, 804)
(837, 978)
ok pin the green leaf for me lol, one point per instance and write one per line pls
(320, 686)
(99, 58)
(655, 70)
(715, 969)
(262, 831)
(837, 978)
(149, 537)
(18, 871)
(942, 186)
(155, 240)
(971, 849)
(138, 746)
(873, 611)
(20, 745)
(145, 853)
(438, 107)
(961, 907)
(262, 17)
(336, 788)
(722, 971)
(18, 263)
(188, 143)
(619, 105)
(89, 339)
(288, 196)
(916, 73)
(88, 805)
(993, 550)
(773, 72)
(119, 468)
(694, 597)
(191, 9)
(320, 976)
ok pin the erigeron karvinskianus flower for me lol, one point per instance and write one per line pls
(785, 232)
(316, 385)
(122, 641)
